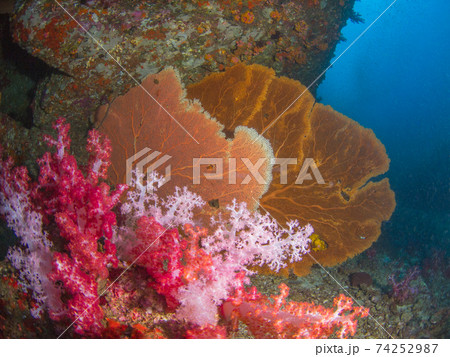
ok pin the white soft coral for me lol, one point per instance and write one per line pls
(142, 200)
(243, 239)
(33, 257)
(251, 238)
(237, 239)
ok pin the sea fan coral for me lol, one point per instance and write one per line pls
(346, 208)
(346, 211)
(143, 129)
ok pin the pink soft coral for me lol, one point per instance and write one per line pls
(81, 208)
(80, 205)
(33, 258)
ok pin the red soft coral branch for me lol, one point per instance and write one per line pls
(84, 310)
(159, 252)
(99, 147)
(81, 207)
(197, 261)
(64, 188)
(13, 180)
(278, 319)
(207, 332)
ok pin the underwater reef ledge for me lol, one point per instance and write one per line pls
(295, 38)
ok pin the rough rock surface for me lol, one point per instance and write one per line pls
(296, 38)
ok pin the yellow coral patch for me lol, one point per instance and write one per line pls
(317, 243)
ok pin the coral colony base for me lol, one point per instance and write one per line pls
(142, 266)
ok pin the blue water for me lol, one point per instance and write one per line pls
(396, 80)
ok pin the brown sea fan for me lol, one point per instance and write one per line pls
(346, 212)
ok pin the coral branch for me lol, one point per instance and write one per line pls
(81, 208)
(279, 319)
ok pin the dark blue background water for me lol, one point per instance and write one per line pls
(396, 81)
